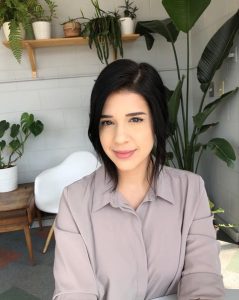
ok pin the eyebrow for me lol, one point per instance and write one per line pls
(127, 115)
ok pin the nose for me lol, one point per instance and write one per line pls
(121, 135)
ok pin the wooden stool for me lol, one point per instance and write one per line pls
(17, 209)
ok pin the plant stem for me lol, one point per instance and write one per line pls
(199, 157)
(179, 78)
(187, 90)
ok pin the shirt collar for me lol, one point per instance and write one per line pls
(164, 186)
(103, 193)
(103, 185)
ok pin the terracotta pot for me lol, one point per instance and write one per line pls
(8, 179)
(71, 29)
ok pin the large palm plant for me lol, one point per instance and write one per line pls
(187, 149)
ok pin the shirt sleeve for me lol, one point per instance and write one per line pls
(73, 273)
(201, 276)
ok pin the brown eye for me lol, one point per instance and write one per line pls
(106, 123)
(136, 120)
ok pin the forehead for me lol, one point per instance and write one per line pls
(125, 102)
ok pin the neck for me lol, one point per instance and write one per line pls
(135, 178)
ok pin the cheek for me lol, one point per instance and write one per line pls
(104, 139)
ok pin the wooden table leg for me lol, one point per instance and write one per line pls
(39, 217)
(29, 242)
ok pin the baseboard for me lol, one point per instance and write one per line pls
(230, 231)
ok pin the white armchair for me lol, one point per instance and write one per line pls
(50, 183)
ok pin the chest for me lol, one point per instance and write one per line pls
(140, 249)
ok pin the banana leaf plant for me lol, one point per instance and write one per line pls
(187, 149)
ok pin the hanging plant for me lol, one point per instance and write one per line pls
(103, 30)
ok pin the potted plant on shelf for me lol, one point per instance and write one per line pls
(15, 21)
(71, 27)
(128, 21)
(11, 151)
(103, 30)
(42, 17)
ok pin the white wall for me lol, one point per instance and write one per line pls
(60, 95)
(222, 182)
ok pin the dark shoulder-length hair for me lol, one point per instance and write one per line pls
(140, 78)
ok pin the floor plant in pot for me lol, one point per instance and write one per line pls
(128, 20)
(16, 23)
(12, 141)
(41, 17)
(187, 146)
(103, 31)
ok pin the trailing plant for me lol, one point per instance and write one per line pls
(103, 30)
(11, 151)
(39, 13)
(187, 147)
(129, 9)
(16, 13)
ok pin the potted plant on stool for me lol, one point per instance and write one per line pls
(41, 21)
(128, 21)
(11, 151)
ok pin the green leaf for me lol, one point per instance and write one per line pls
(217, 50)
(26, 122)
(36, 128)
(173, 104)
(200, 118)
(4, 125)
(218, 211)
(207, 126)
(14, 130)
(15, 144)
(185, 13)
(15, 40)
(2, 145)
(165, 28)
(223, 150)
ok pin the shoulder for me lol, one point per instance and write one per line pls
(185, 177)
(180, 186)
(80, 193)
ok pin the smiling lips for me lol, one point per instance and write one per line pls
(124, 154)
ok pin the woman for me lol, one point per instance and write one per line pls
(134, 229)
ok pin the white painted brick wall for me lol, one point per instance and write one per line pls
(60, 96)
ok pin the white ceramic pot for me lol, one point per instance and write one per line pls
(6, 30)
(127, 25)
(42, 30)
(8, 179)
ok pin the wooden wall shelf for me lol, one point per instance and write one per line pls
(31, 45)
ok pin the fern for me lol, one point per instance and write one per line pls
(15, 40)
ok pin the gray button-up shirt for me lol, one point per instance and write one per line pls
(106, 250)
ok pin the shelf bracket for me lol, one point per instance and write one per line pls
(31, 55)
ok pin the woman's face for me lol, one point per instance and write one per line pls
(126, 131)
